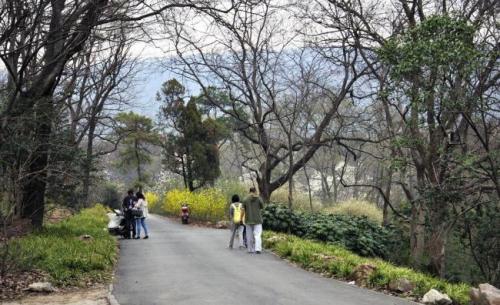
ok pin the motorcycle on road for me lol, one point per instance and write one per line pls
(117, 223)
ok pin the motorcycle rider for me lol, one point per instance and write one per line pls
(127, 205)
(185, 213)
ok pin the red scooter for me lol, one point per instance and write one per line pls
(185, 214)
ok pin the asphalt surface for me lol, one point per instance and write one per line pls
(188, 265)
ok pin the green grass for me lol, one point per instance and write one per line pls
(69, 261)
(340, 263)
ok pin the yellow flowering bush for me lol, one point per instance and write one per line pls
(152, 200)
(173, 200)
(207, 204)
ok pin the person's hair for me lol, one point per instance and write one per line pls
(139, 195)
(253, 190)
(235, 198)
(130, 192)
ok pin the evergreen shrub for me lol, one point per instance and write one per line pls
(355, 233)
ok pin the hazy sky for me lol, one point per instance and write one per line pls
(150, 78)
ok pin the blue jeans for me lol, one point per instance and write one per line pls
(141, 222)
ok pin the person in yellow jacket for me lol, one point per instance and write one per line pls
(236, 216)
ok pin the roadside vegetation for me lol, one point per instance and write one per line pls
(77, 251)
(361, 208)
(153, 201)
(206, 204)
(335, 261)
(356, 233)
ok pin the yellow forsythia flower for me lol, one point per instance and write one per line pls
(152, 200)
(208, 204)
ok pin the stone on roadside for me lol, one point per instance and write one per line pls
(401, 285)
(41, 287)
(324, 257)
(222, 224)
(434, 297)
(275, 238)
(85, 237)
(361, 274)
(486, 294)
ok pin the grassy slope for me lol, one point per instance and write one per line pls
(340, 263)
(69, 261)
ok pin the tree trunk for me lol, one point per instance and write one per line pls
(139, 170)
(309, 188)
(325, 188)
(264, 192)
(417, 235)
(357, 178)
(189, 172)
(35, 183)
(264, 187)
(33, 198)
(184, 174)
(237, 156)
(290, 168)
(88, 164)
(335, 185)
(387, 193)
(436, 248)
(438, 233)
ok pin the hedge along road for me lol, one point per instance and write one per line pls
(188, 265)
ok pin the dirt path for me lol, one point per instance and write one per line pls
(96, 296)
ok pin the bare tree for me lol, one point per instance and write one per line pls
(97, 86)
(38, 39)
(425, 152)
(245, 54)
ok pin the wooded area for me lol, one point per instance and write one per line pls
(396, 103)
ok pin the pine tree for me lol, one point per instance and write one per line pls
(190, 143)
(138, 136)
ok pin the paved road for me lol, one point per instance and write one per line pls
(187, 265)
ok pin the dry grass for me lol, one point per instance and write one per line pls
(356, 207)
(300, 199)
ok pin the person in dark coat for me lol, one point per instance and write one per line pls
(252, 206)
(127, 205)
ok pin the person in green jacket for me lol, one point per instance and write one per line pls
(253, 221)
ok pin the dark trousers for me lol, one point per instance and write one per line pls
(130, 224)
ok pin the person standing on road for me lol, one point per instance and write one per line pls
(127, 206)
(141, 205)
(236, 217)
(253, 221)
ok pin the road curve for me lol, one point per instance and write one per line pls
(188, 265)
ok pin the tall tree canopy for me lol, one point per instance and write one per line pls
(190, 142)
(138, 135)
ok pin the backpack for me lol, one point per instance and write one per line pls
(237, 213)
